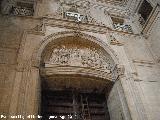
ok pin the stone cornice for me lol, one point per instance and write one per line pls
(69, 24)
(76, 26)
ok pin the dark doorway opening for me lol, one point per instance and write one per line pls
(73, 105)
(1, 5)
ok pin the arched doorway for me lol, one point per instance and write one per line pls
(77, 79)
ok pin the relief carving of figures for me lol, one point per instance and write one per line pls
(83, 57)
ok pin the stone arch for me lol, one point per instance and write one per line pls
(36, 57)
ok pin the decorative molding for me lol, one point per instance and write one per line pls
(91, 26)
(143, 61)
(51, 70)
(116, 11)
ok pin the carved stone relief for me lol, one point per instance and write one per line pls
(83, 57)
(20, 8)
(22, 11)
(122, 27)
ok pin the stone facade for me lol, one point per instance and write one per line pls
(25, 37)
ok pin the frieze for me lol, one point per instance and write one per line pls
(73, 25)
(48, 20)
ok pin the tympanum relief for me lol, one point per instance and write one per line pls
(82, 57)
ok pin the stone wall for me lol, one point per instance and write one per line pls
(12, 31)
(154, 41)
(144, 53)
(9, 45)
(20, 36)
(117, 105)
